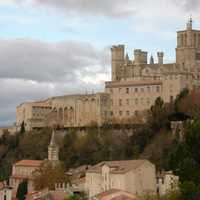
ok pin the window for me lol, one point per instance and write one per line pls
(158, 89)
(120, 113)
(171, 98)
(136, 89)
(111, 102)
(148, 89)
(111, 113)
(148, 101)
(127, 90)
(119, 90)
(127, 101)
(136, 101)
(111, 90)
(120, 102)
(127, 113)
(136, 113)
(142, 89)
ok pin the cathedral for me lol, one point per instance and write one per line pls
(133, 89)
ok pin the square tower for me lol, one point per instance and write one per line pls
(188, 46)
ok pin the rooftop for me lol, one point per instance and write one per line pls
(115, 195)
(118, 167)
(29, 163)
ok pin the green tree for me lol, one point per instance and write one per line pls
(158, 115)
(22, 190)
(22, 129)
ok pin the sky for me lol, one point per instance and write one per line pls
(59, 47)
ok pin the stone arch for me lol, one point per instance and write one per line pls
(66, 114)
(60, 114)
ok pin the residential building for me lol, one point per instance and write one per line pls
(167, 182)
(137, 177)
(5, 191)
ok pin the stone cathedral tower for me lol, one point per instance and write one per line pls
(53, 149)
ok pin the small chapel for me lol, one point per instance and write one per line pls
(23, 170)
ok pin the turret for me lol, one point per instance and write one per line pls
(117, 60)
(160, 57)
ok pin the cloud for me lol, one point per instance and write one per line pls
(32, 70)
(111, 8)
(189, 5)
(49, 62)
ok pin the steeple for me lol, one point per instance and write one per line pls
(53, 149)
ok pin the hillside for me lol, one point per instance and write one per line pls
(153, 141)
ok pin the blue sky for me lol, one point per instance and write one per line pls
(45, 45)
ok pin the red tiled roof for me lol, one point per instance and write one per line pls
(29, 163)
(118, 167)
(20, 177)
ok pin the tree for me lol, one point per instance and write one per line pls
(185, 161)
(190, 104)
(158, 115)
(48, 175)
(22, 129)
(81, 196)
(22, 190)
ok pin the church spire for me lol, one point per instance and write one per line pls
(53, 149)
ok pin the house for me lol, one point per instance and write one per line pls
(167, 182)
(5, 191)
(137, 177)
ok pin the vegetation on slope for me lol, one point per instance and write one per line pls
(153, 141)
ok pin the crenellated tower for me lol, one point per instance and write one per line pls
(118, 53)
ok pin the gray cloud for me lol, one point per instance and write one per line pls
(34, 70)
(49, 62)
(111, 8)
(189, 5)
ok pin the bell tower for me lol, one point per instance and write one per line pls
(188, 46)
(53, 149)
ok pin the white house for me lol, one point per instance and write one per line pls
(167, 182)
(5, 191)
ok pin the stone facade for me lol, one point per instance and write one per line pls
(22, 171)
(130, 176)
(65, 111)
(133, 89)
(5, 191)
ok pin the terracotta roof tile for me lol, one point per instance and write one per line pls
(29, 163)
(118, 167)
